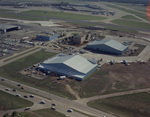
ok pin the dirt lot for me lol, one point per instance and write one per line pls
(114, 78)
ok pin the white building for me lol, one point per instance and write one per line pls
(109, 46)
(73, 66)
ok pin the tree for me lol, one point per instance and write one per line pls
(14, 114)
(6, 115)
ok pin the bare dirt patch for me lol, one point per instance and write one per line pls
(114, 78)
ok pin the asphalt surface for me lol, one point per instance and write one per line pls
(63, 104)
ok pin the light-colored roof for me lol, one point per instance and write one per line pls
(73, 61)
(70, 65)
(111, 43)
(6, 26)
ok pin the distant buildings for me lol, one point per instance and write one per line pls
(108, 46)
(46, 37)
(6, 28)
(73, 66)
(80, 39)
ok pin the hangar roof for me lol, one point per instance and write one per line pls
(6, 26)
(73, 61)
(111, 43)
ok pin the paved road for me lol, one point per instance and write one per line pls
(18, 56)
(63, 104)
(61, 107)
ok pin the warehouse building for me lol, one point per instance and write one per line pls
(80, 39)
(108, 46)
(6, 28)
(46, 37)
(73, 66)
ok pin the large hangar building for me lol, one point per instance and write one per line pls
(6, 28)
(109, 46)
(73, 66)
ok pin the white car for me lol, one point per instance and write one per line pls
(31, 96)
(27, 108)
(42, 102)
(70, 110)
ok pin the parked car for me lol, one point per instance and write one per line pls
(22, 87)
(70, 110)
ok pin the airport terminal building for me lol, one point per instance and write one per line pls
(108, 46)
(73, 66)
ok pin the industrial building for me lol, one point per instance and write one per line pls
(73, 66)
(108, 46)
(6, 28)
(80, 39)
(46, 37)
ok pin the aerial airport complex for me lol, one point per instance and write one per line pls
(75, 58)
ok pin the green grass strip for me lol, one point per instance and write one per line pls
(21, 54)
(62, 15)
(9, 101)
(134, 24)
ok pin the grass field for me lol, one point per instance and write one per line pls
(139, 14)
(40, 113)
(61, 15)
(134, 24)
(122, 29)
(11, 71)
(21, 16)
(130, 17)
(81, 24)
(93, 85)
(8, 101)
(21, 54)
(4, 10)
(133, 6)
(135, 105)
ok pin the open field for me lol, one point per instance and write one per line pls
(122, 29)
(46, 15)
(20, 16)
(42, 113)
(114, 78)
(8, 101)
(20, 54)
(139, 14)
(61, 15)
(133, 6)
(81, 24)
(130, 17)
(47, 84)
(134, 24)
(4, 10)
(135, 105)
